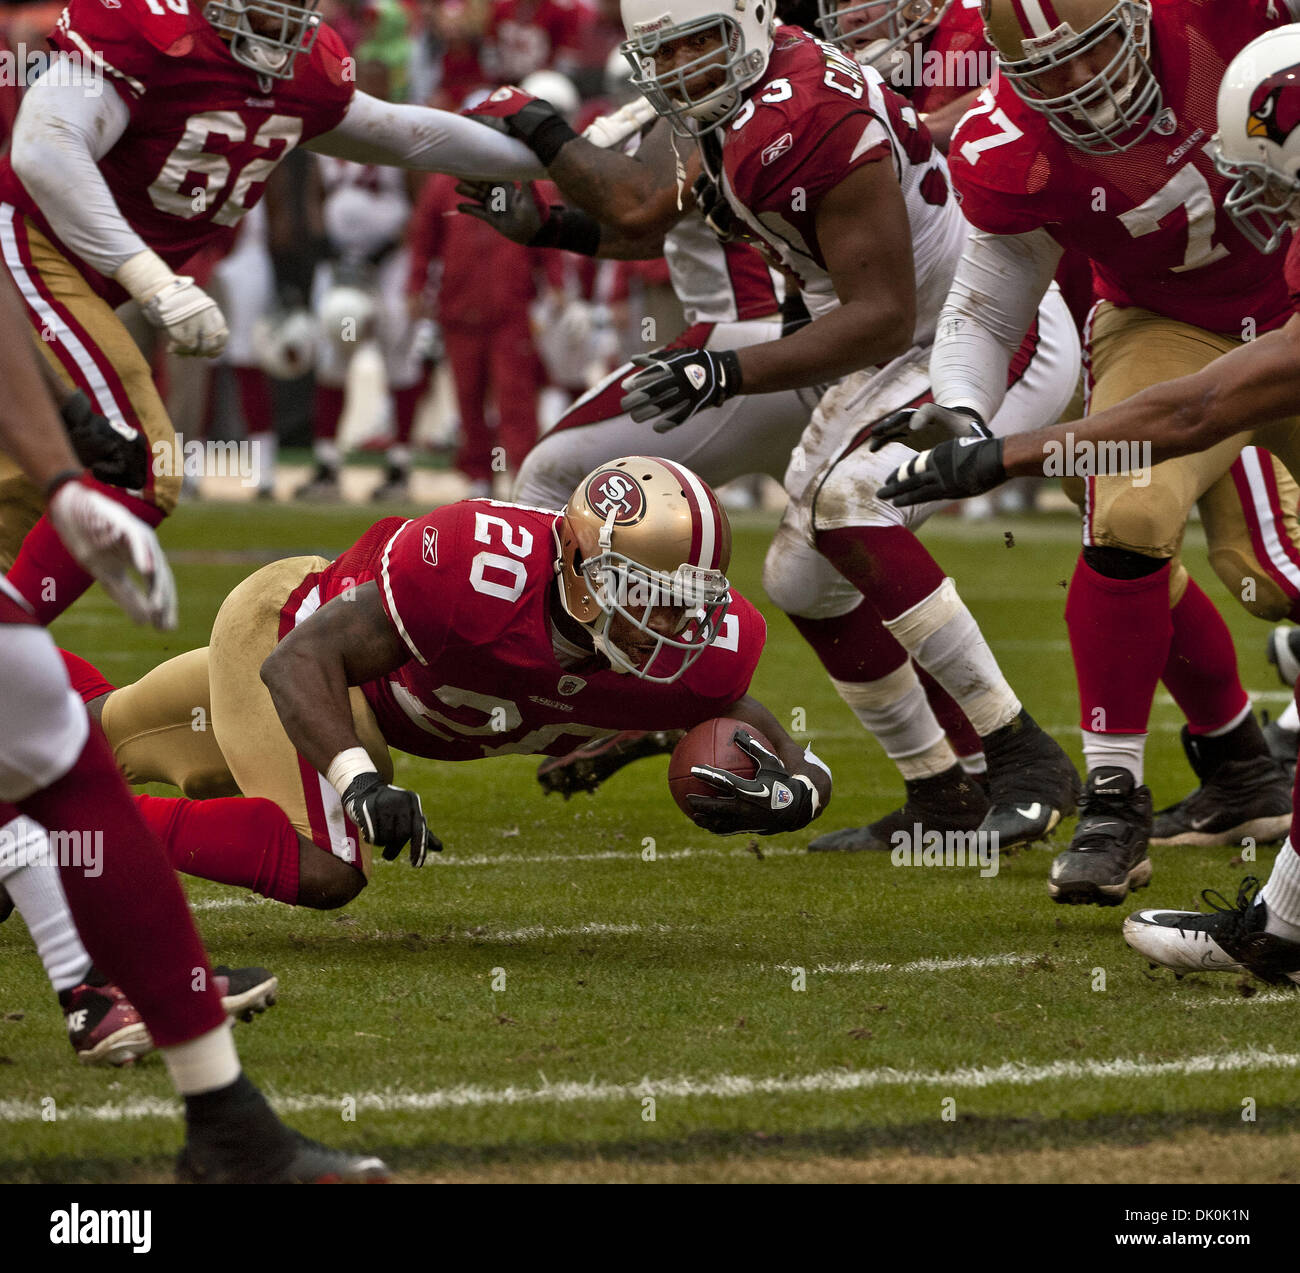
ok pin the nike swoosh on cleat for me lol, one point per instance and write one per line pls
(1033, 811)
(1199, 824)
(1101, 782)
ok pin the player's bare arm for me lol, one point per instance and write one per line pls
(863, 230)
(348, 641)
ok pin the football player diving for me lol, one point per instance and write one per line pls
(1257, 149)
(480, 629)
(818, 161)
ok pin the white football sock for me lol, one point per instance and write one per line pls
(1282, 894)
(29, 872)
(266, 450)
(399, 456)
(325, 451)
(896, 711)
(1290, 719)
(1231, 724)
(203, 1064)
(941, 634)
(1118, 751)
(975, 764)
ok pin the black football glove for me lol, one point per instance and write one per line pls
(924, 427)
(676, 383)
(953, 470)
(718, 214)
(533, 120)
(388, 817)
(772, 801)
(516, 211)
(118, 457)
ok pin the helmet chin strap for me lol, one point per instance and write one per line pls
(267, 57)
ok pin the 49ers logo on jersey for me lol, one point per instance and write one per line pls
(613, 491)
(1275, 106)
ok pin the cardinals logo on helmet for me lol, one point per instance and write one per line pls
(1275, 106)
(612, 490)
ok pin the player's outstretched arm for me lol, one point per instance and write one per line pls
(865, 238)
(377, 132)
(1249, 387)
(790, 788)
(348, 641)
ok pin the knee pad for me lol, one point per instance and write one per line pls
(1147, 519)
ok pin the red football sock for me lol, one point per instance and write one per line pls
(86, 678)
(405, 404)
(131, 913)
(961, 733)
(854, 646)
(1201, 671)
(45, 572)
(887, 564)
(254, 390)
(1120, 632)
(246, 842)
(328, 411)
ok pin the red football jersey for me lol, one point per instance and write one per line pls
(205, 132)
(470, 588)
(950, 61)
(1149, 219)
(815, 117)
(1291, 273)
(524, 36)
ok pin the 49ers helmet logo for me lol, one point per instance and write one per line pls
(1275, 106)
(612, 490)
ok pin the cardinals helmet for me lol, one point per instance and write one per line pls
(870, 31)
(646, 541)
(1257, 146)
(1120, 101)
(285, 341)
(265, 35)
(734, 38)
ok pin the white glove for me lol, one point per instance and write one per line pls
(190, 317)
(611, 130)
(109, 541)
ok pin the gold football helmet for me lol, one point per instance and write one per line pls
(645, 541)
(1084, 64)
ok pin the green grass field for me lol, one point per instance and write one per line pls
(543, 1003)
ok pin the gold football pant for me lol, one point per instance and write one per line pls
(81, 336)
(1247, 497)
(205, 722)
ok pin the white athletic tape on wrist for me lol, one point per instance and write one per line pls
(144, 275)
(347, 766)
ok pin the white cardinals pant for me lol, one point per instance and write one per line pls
(393, 331)
(746, 434)
(833, 478)
(43, 725)
(243, 284)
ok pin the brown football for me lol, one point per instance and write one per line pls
(710, 744)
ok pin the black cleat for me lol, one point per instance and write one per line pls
(1283, 744)
(950, 801)
(1107, 857)
(6, 904)
(323, 485)
(1244, 792)
(1230, 938)
(1283, 652)
(245, 991)
(395, 486)
(1032, 783)
(586, 767)
(234, 1137)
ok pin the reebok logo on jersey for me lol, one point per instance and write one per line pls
(429, 549)
(695, 374)
(774, 151)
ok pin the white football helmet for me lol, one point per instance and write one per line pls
(1105, 115)
(346, 314)
(555, 88)
(701, 94)
(639, 535)
(286, 343)
(1257, 146)
(870, 30)
(265, 35)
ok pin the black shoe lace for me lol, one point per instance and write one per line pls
(1246, 893)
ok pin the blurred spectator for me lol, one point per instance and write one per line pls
(600, 37)
(531, 35)
(445, 52)
(481, 299)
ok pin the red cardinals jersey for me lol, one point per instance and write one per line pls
(815, 118)
(1149, 219)
(1291, 273)
(205, 132)
(470, 588)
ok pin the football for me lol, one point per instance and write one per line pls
(710, 743)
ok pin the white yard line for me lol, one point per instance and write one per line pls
(916, 965)
(718, 1086)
